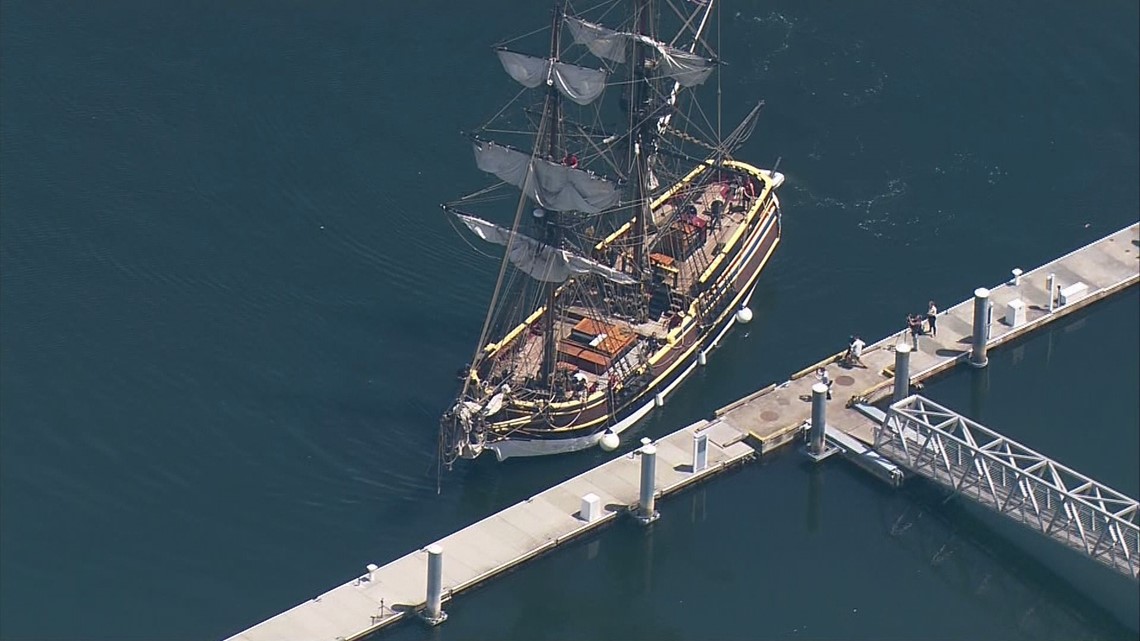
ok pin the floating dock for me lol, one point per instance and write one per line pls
(759, 423)
(383, 595)
(775, 415)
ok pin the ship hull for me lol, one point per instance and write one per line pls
(586, 426)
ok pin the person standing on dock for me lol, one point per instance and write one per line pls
(914, 322)
(932, 318)
(854, 355)
(825, 379)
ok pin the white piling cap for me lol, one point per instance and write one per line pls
(819, 388)
(905, 347)
(435, 548)
(982, 292)
(649, 449)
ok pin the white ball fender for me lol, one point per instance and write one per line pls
(744, 315)
(609, 441)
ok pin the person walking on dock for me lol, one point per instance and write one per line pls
(854, 355)
(932, 318)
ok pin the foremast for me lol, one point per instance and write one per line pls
(641, 135)
(552, 115)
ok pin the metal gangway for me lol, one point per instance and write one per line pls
(1004, 475)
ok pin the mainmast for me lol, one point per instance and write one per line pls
(553, 236)
(641, 134)
(550, 177)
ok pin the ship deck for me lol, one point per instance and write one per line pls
(529, 358)
(688, 268)
(679, 267)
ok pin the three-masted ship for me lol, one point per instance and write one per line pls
(636, 238)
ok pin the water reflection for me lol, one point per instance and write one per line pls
(645, 550)
(698, 512)
(979, 392)
(958, 543)
(815, 488)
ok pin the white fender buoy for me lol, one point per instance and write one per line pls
(609, 441)
(744, 315)
(702, 359)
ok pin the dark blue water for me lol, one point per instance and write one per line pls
(230, 312)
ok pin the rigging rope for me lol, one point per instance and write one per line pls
(696, 141)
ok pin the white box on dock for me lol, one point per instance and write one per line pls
(1015, 315)
(1073, 293)
(591, 507)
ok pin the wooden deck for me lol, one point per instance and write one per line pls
(687, 270)
(773, 416)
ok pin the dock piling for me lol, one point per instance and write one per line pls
(434, 613)
(646, 507)
(1050, 282)
(902, 373)
(818, 417)
(817, 448)
(700, 451)
(1016, 271)
(981, 327)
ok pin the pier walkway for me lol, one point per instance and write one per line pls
(383, 595)
(763, 421)
(974, 461)
(776, 414)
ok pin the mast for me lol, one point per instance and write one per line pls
(639, 111)
(553, 235)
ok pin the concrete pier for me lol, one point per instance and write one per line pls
(774, 415)
(504, 540)
(759, 423)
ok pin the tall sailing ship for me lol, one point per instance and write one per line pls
(636, 240)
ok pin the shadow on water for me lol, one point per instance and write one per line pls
(984, 558)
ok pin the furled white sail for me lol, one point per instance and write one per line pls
(509, 165)
(539, 260)
(528, 71)
(689, 69)
(552, 185)
(579, 84)
(602, 42)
